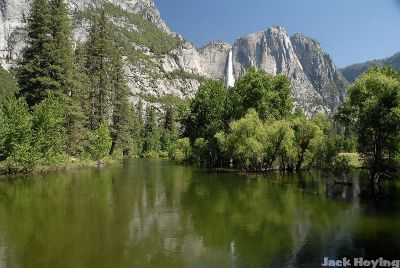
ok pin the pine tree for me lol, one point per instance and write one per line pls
(152, 134)
(34, 73)
(137, 128)
(120, 106)
(63, 53)
(170, 129)
(134, 143)
(77, 106)
(98, 69)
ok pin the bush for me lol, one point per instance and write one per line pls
(341, 164)
(100, 143)
(182, 150)
(48, 132)
(16, 151)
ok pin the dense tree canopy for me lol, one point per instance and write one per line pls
(374, 102)
(269, 95)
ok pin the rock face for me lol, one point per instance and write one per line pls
(316, 82)
(319, 68)
(15, 12)
(273, 52)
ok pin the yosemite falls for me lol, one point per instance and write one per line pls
(230, 77)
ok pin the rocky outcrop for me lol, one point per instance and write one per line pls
(273, 52)
(215, 59)
(325, 77)
(14, 14)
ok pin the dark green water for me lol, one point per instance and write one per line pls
(155, 213)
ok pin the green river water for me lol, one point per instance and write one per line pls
(157, 213)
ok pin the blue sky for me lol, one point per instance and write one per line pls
(350, 30)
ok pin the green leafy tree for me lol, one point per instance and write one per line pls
(207, 116)
(254, 145)
(245, 142)
(16, 151)
(269, 95)
(279, 138)
(332, 144)
(100, 143)
(200, 149)
(47, 127)
(182, 150)
(375, 102)
(307, 137)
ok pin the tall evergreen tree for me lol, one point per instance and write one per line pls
(34, 73)
(98, 69)
(152, 133)
(170, 129)
(77, 106)
(63, 53)
(120, 106)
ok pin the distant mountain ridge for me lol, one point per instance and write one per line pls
(353, 71)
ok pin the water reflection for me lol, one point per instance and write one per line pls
(154, 213)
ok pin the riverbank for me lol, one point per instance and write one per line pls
(71, 164)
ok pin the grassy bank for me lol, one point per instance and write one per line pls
(71, 164)
(354, 160)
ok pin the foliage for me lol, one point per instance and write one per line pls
(200, 150)
(207, 116)
(100, 143)
(375, 103)
(152, 144)
(254, 145)
(16, 151)
(308, 137)
(245, 142)
(181, 150)
(120, 106)
(47, 60)
(269, 95)
(8, 84)
(341, 165)
(333, 142)
(77, 107)
(47, 126)
(98, 66)
(170, 132)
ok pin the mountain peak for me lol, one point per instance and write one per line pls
(277, 29)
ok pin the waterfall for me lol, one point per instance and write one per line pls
(230, 78)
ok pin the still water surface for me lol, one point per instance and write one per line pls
(156, 213)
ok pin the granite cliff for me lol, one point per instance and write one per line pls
(161, 63)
